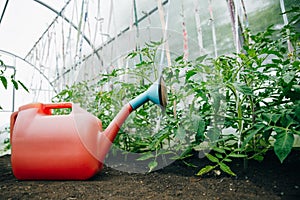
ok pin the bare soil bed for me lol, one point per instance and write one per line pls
(262, 180)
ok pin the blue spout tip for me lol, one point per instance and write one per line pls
(156, 93)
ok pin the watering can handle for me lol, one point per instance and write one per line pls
(58, 105)
(47, 107)
(44, 108)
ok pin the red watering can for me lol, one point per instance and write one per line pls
(67, 147)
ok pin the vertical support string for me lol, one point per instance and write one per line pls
(284, 16)
(69, 46)
(213, 29)
(166, 45)
(231, 13)
(63, 49)
(198, 26)
(164, 30)
(56, 53)
(185, 34)
(137, 29)
(149, 25)
(238, 31)
(245, 14)
(119, 64)
(85, 17)
(80, 25)
(98, 20)
(236, 28)
(285, 21)
(14, 89)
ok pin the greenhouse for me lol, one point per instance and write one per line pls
(171, 99)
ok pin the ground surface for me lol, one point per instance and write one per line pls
(266, 180)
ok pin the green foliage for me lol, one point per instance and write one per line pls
(255, 94)
(147, 130)
(4, 81)
(77, 93)
(220, 158)
(16, 83)
(5, 146)
(261, 87)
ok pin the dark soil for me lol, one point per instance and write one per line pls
(262, 180)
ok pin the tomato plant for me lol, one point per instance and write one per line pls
(254, 95)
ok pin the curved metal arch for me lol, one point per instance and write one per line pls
(4, 9)
(59, 14)
(32, 65)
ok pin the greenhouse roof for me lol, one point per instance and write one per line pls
(50, 42)
(23, 23)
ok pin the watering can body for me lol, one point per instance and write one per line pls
(54, 147)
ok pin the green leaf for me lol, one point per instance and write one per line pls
(205, 170)
(131, 55)
(218, 155)
(257, 128)
(225, 168)
(15, 83)
(199, 137)
(297, 112)
(189, 164)
(143, 63)
(296, 88)
(146, 156)
(276, 53)
(186, 153)
(271, 117)
(23, 86)
(283, 144)
(212, 158)
(180, 133)
(258, 157)
(252, 52)
(275, 118)
(179, 58)
(288, 77)
(154, 43)
(276, 61)
(243, 89)
(243, 56)
(152, 165)
(201, 58)
(217, 149)
(235, 155)
(227, 160)
(189, 74)
(213, 134)
(4, 81)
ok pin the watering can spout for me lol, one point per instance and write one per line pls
(156, 93)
